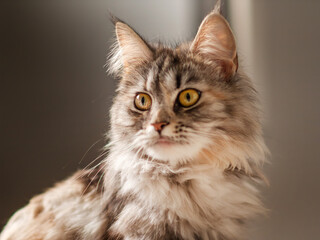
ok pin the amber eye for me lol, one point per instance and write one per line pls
(142, 101)
(189, 97)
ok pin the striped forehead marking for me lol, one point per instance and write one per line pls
(150, 78)
(164, 72)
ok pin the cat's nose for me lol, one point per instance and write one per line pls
(159, 126)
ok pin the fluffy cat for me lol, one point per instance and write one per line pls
(185, 149)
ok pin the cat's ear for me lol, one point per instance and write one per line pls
(215, 42)
(130, 49)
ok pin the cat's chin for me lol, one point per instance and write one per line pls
(173, 152)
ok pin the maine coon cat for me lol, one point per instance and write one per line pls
(185, 149)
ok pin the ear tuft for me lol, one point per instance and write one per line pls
(129, 49)
(114, 19)
(217, 7)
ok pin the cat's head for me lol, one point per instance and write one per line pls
(187, 103)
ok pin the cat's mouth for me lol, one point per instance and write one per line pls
(164, 141)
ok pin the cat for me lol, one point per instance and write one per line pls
(185, 152)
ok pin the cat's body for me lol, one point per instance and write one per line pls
(184, 156)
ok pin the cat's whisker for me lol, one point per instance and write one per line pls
(84, 173)
(204, 133)
(91, 181)
(84, 155)
(97, 158)
(101, 178)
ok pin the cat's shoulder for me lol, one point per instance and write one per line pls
(62, 212)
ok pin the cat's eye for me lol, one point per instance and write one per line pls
(188, 97)
(142, 101)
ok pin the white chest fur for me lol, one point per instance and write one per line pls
(193, 199)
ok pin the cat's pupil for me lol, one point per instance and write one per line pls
(143, 101)
(188, 97)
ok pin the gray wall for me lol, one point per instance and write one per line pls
(286, 57)
(280, 43)
(55, 93)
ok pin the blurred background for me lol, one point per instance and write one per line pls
(55, 93)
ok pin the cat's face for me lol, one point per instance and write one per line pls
(173, 104)
(172, 109)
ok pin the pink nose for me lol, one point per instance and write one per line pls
(159, 126)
